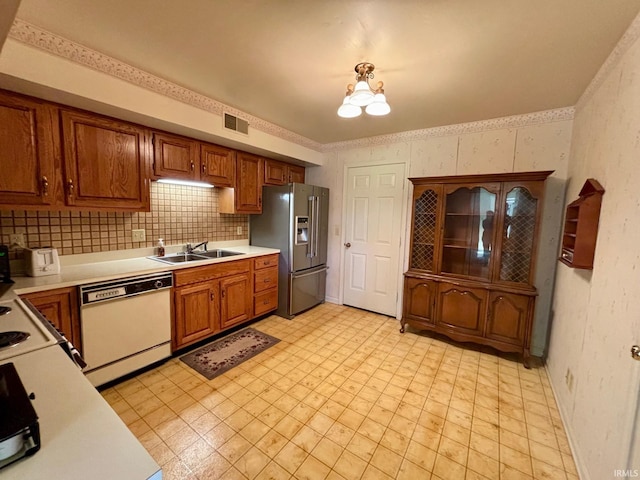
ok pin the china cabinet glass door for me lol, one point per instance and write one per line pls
(468, 232)
(518, 236)
(425, 210)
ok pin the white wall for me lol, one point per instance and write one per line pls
(484, 149)
(597, 313)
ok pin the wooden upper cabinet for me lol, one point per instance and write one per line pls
(28, 135)
(218, 165)
(175, 157)
(275, 172)
(105, 162)
(279, 173)
(296, 174)
(246, 197)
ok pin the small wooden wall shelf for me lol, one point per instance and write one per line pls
(581, 227)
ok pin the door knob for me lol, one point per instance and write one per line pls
(347, 244)
(635, 352)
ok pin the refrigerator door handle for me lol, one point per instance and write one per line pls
(315, 272)
(312, 230)
(316, 226)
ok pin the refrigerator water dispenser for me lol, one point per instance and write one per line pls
(302, 230)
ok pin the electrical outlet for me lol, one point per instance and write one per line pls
(239, 230)
(16, 240)
(138, 235)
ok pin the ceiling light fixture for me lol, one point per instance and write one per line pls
(361, 95)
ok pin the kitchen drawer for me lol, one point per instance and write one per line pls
(265, 279)
(265, 262)
(210, 272)
(265, 302)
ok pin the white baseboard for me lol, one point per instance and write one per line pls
(583, 473)
(332, 300)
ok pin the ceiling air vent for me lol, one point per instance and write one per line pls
(236, 124)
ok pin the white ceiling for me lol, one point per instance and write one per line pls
(288, 62)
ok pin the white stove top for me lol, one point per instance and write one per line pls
(21, 319)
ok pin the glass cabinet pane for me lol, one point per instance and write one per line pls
(424, 230)
(517, 236)
(468, 232)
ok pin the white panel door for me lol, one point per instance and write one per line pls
(372, 240)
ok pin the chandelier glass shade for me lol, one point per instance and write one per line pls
(362, 95)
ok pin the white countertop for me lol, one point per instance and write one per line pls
(98, 271)
(81, 436)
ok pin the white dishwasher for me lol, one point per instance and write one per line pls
(126, 325)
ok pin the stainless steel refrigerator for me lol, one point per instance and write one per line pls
(295, 219)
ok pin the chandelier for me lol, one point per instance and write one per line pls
(362, 95)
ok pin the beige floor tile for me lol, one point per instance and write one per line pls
(350, 466)
(290, 457)
(344, 396)
(273, 471)
(312, 469)
(386, 460)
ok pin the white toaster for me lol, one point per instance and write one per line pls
(41, 261)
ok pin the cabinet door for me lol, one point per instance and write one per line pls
(468, 231)
(175, 157)
(419, 299)
(197, 312)
(296, 174)
(518, 232)
(236, 299)
(217, 165)
(275, 173)
(425, 228)
(60, 307)
(461, 309)
(27, 132)
(509, 317)
(105, 162)
(249, 174)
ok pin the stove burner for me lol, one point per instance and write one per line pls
(4, 310)
(10, 339)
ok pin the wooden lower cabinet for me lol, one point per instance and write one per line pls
(60, 307)
(419, 300)
(461, 309)
(215, 297)
(468, 313)
(235, 300)
(197, 312)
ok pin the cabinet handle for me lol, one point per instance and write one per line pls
(71, 187)
(193, 166)
(266, 280)
(265, 302)
(204, 168)
(45, 186)
(213, 296)
(222, 293)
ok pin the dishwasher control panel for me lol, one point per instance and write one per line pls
(126, 287)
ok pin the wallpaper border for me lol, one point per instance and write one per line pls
(49, 42)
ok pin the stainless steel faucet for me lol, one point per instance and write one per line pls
(190, 248)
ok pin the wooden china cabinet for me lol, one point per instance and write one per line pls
(472, 258)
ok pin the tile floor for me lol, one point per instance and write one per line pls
(345, 395)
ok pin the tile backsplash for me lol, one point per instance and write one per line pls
(179, 214)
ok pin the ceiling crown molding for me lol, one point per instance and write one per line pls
(514, 121)
(37, 37)
(626, 41)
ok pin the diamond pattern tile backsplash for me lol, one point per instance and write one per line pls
(179, 214)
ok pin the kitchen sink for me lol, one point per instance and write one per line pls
(195, 257)
(217, 253)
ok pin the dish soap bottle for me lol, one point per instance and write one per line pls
(160, 247)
